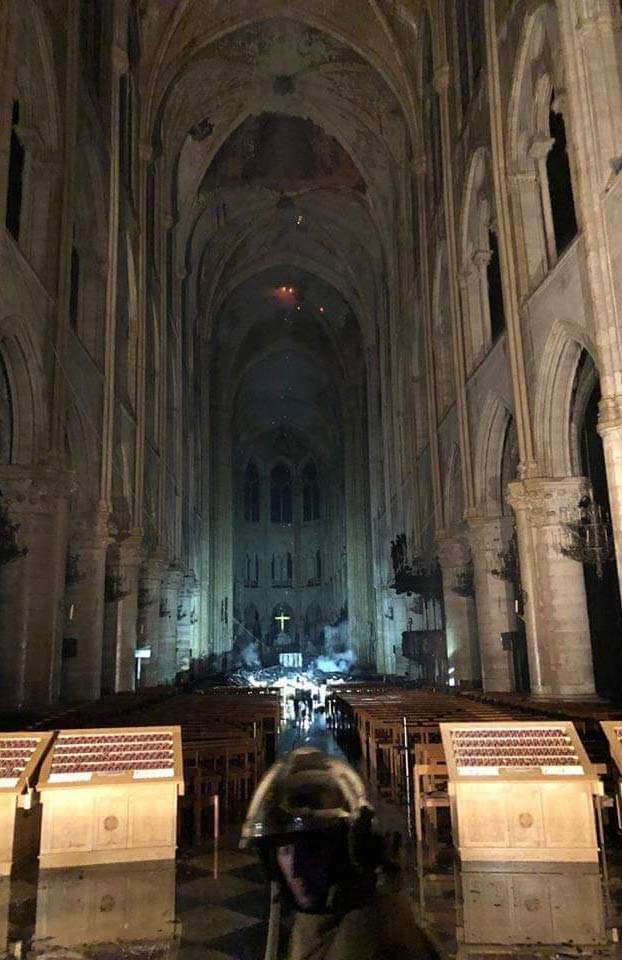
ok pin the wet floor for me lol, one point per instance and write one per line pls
(212, 904)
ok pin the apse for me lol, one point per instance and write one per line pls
(282, 377)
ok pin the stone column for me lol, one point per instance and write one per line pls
(84, 606)
(184, 626)
(194, 602)
(489, 536)
(590, 43)
(171, 585)
(121, 615)
(460, 613)
(556, 619)
(32, 587)
(149, 595)
(357, 537)
(610, 430)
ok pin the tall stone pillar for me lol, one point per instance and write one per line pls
(460, 613)
(32, 587)
(610, 430)
(149, 594)
(556, 618)
(84, 606)
(185, 623)
(171, 585)
(194, 601)
(120, 620)
(489, 536)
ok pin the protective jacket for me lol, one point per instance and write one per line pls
(384, 928)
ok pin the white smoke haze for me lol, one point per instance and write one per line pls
(338, 656)
(249, 656)
(338, 663)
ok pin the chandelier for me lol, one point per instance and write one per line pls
(588, 539)
(509, 571)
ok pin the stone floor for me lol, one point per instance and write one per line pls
(212, 904)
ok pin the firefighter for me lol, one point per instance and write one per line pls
(314, 828)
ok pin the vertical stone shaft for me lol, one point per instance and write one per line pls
(150, 587)
(171, 586)
(121, 615)
(460, 614)
(32, 588)
(558, 631)
(489, 537)
(82, 673)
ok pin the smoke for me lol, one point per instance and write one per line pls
(337, 663)
(249, 656)
(339, 656)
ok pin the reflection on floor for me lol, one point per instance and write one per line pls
(213, 905)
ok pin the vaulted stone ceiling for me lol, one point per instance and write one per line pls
(282, 134)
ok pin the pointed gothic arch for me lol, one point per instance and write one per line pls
(479, 278)
(544, 200)
(490, 444)
(22, 365)
(553, 407)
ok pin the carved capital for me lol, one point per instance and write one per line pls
(610, 415)
(173, 578)
(128, 551)
(548, 502)
(35, 489)
(91, 530)
(152, 572)
(488, 533)
(540, 147)
(481, 258)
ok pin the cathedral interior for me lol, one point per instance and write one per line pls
(311, 391)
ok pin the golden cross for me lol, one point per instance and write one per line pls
(282, 618)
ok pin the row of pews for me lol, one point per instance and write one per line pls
(228, 739)
(380, 716)
(400, 733)
(113, 776)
